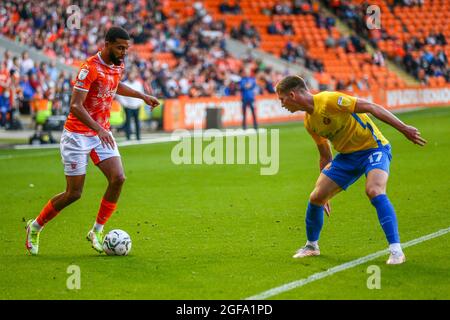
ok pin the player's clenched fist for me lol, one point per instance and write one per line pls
(151, 101)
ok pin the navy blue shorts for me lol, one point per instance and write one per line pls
(346, 168)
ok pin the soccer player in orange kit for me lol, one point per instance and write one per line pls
(86, 134)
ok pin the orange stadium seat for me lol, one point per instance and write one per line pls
(313, 39)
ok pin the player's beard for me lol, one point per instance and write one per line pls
(114, 59)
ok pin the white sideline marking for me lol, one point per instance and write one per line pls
(171, 138)
(342, 267)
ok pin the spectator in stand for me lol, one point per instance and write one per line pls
(288, 28)
(276, 27)
(378, 58)
(357, 43)
(441, 59)
(246, 33)
(197, 43)
(303, 6)
(53, 71)
(15, 65)
(28, 93)
(132, 105)
(422, 76)
(248, 87)
(27, 64)
(268, 81)
(5, 83)
(426, 59)
(231, 88)
(330, 22)
(363, 83)
(330, 42)
(320, 20)
(16, 96)
(297, 6)
(340, 85)
(7, 60)
(419, 62)
(409, 3)
(63, 93)
(226, 7)
(282, 8)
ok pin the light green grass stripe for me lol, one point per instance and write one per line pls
(28, 155)
(317, 276)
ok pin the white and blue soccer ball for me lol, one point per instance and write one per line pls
(117, 243)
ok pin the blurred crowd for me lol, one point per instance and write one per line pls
(413, 54)
(296, 53)
(23, 82)
(292, 7)
(246, 33)
(203, 68)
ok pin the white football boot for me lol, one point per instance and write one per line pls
(306, 251)
(96, 239)
(32, 240)
(396, 257)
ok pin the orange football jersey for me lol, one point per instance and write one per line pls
(100, 81)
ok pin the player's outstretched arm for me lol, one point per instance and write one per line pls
(79, 111)
(411, 133)
(124, 90)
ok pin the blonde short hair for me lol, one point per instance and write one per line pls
(291, 83)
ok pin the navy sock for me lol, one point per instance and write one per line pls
(387, 218)
(314, 221)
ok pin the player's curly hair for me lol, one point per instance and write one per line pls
(291, 83)
(114, 33)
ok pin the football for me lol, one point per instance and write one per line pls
(117, 243)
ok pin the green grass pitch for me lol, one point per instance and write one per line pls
(225, 231)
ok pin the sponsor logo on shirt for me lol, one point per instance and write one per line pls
(106, 93)
(83, 74)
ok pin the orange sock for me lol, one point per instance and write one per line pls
(47, 214)
(106, 210)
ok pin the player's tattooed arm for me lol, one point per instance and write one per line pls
(124, 90)
(79, 111)
(410, 132)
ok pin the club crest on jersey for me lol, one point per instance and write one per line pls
(83, 74)
(326, 120)
(343, 102)
(73, 165)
